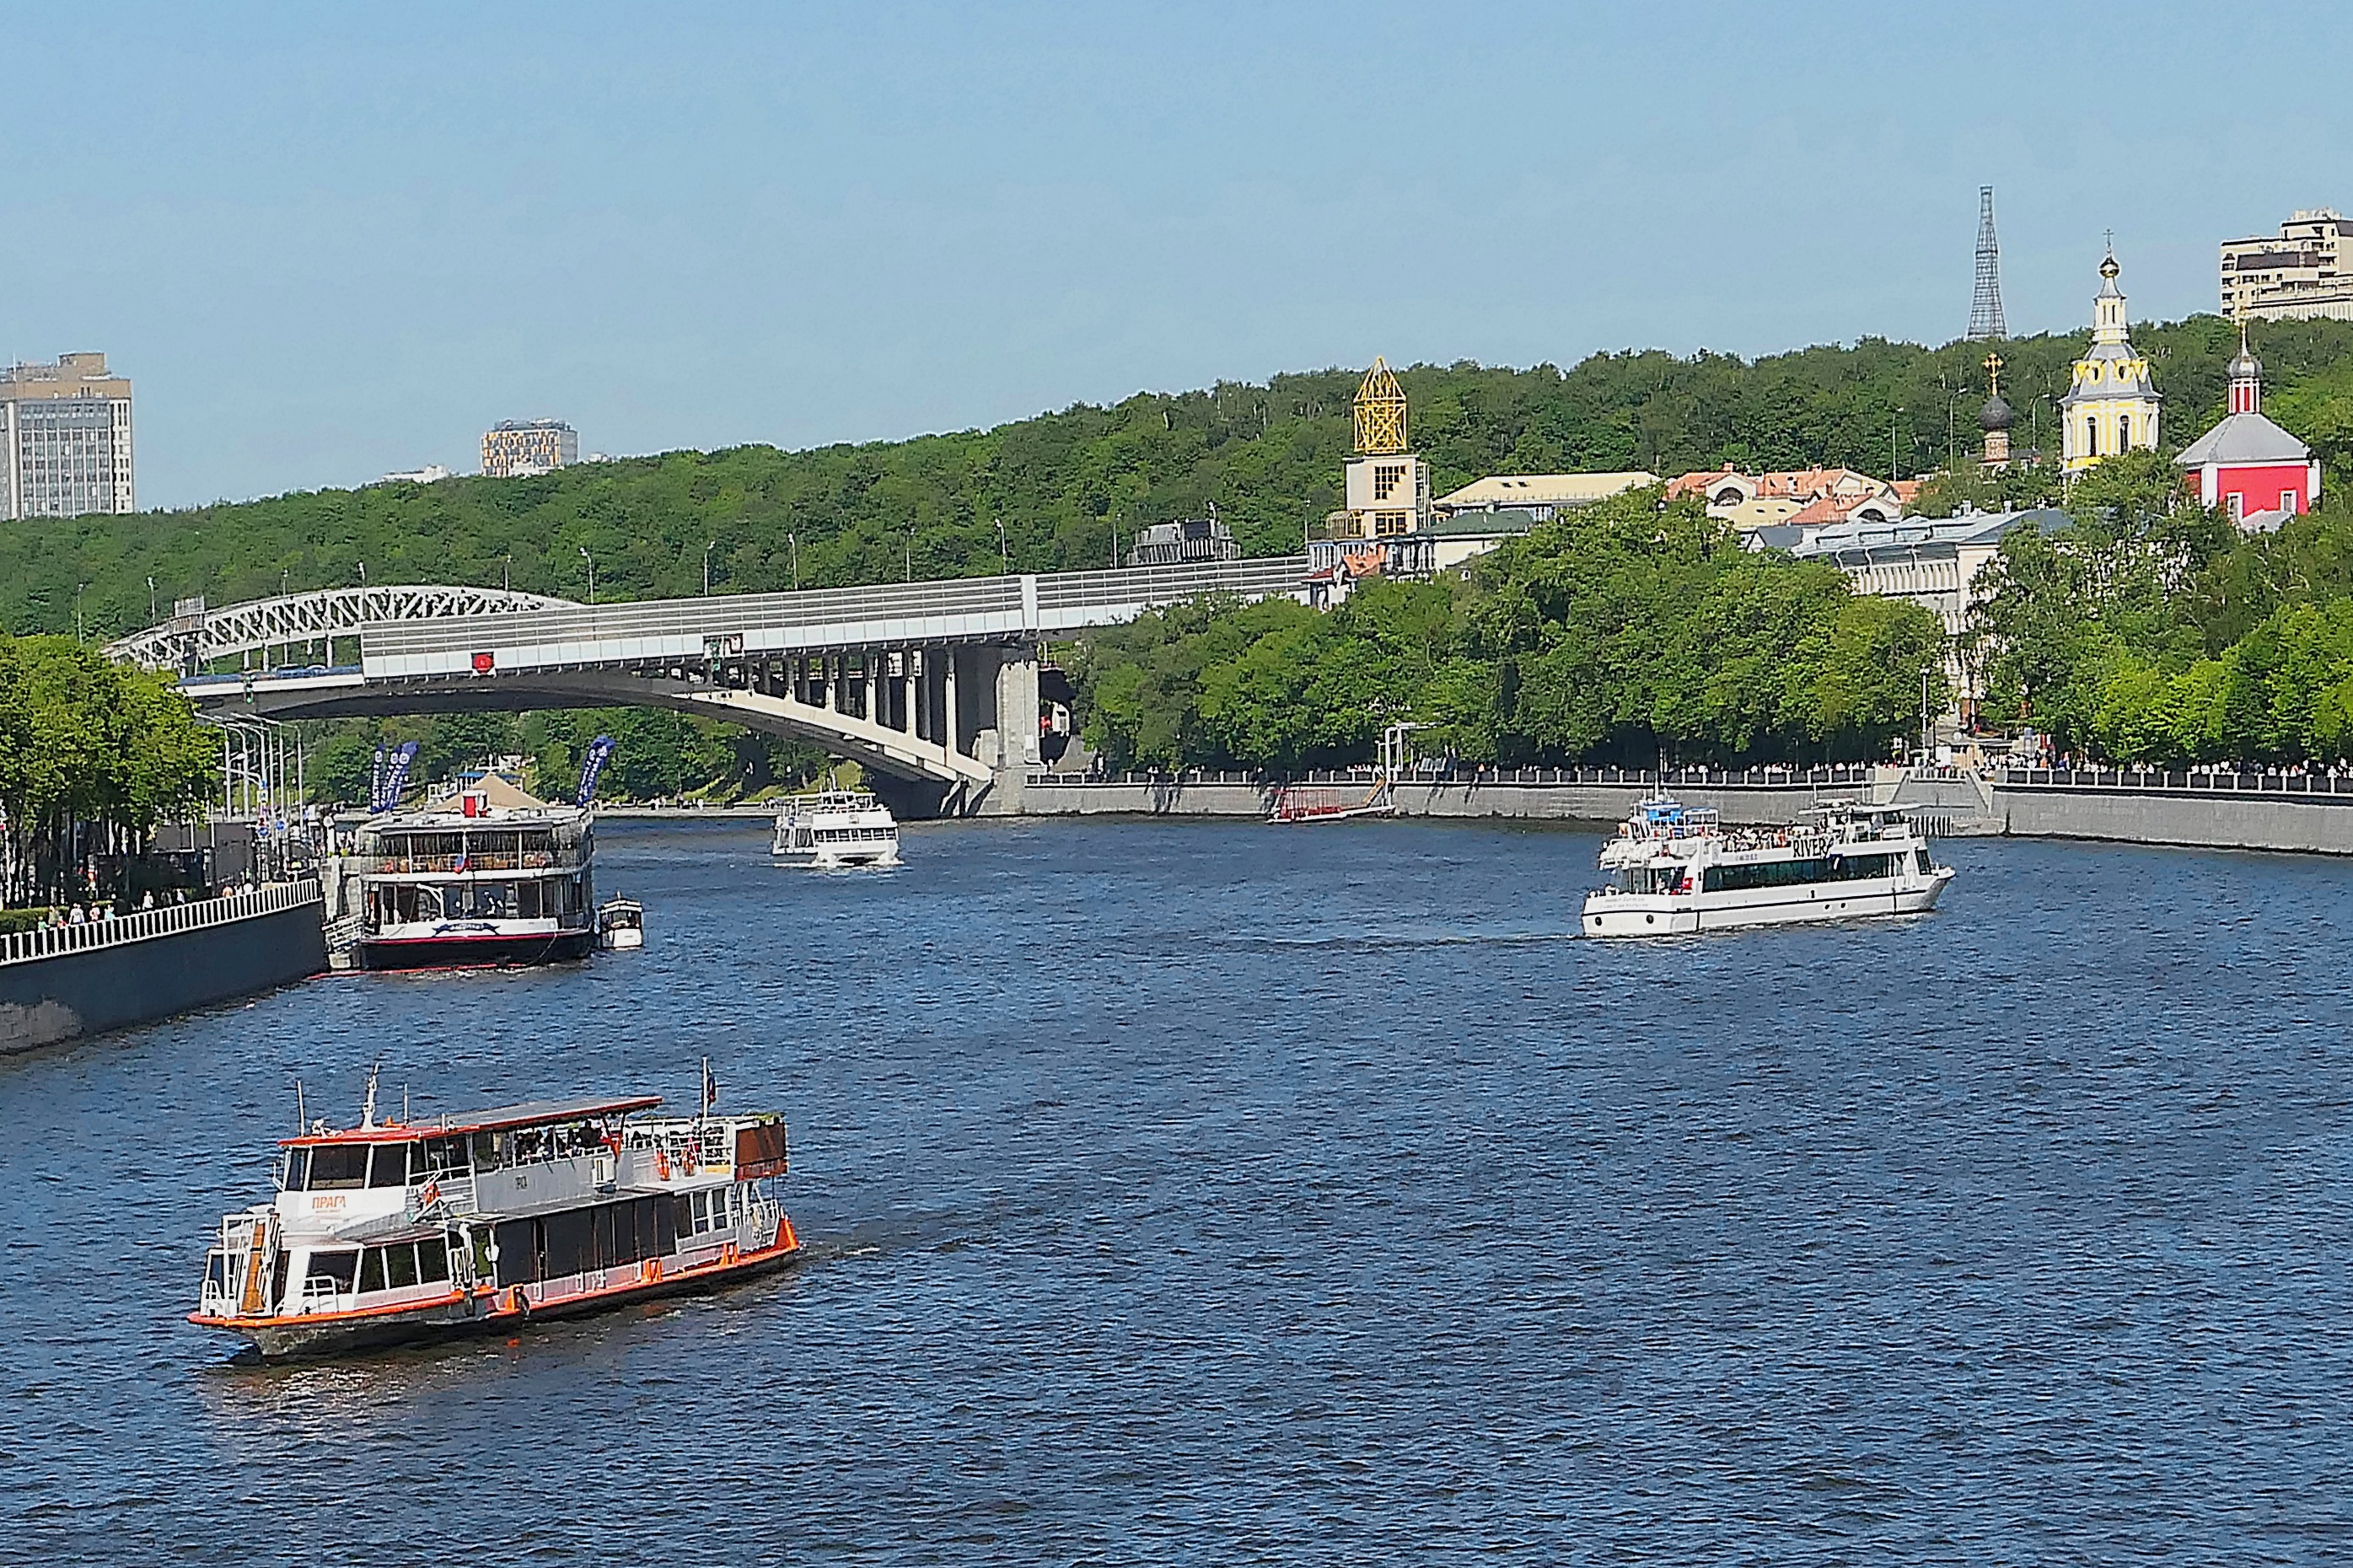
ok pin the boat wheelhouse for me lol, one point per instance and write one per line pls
(834, 828)
(1675, 872)
(489, 876)
(398, 1230)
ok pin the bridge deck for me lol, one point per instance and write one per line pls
(900, 615)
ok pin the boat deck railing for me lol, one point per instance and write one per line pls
(117, 930)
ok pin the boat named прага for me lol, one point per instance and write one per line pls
(394, 1231)
(1673, 871)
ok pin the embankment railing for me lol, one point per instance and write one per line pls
(2278, 785)
(1856, 776)
(116, 930)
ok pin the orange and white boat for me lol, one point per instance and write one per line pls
(404, 1230)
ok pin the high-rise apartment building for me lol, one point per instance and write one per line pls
(2292, 275)
(514, 447)
(66, 433)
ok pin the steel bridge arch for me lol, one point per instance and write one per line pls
(189, 641)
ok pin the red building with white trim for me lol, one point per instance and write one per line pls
(2247, 466)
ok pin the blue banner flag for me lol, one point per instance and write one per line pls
(394, 778)
(598, 750)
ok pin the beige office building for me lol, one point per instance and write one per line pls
(513, 447)
(65, 428)
(2292, 275)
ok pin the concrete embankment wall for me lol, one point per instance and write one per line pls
(2323, 826)
(1539, 802)
(138, 979)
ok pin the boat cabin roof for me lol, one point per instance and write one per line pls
(497, 1119)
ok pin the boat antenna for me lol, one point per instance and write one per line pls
(404, 1105)
(302, 1117)
(367, 1106)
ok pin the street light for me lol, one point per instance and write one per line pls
(706, 567)
(592, 574)
(910, 553)
(77, 610)
(1892, 475)
(151, 601)
(1004, 558)
(506, 571)
(1928, 735)
(795, 541)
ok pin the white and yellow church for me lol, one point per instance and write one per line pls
(2111, 404)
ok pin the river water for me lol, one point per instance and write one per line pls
(1237, 1194)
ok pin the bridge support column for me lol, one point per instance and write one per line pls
(1007, 694)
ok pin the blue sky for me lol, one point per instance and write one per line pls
(327, 242)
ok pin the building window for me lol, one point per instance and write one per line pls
(2290, 501)
(2238, 506)
(1386, 477)
(2124, 433)
(1388, 524)
(2090, 437)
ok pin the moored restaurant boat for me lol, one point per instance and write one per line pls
(1675, 870)
(834, 828)
(490, 875)
(402, 1230)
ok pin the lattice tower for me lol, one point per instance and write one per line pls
(1380, 412)
(1985, 305)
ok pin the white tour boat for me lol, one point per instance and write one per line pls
(1673, 871)
(835, 828)
(490, 875)
(398, 1230)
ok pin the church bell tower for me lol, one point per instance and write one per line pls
(1387, 484)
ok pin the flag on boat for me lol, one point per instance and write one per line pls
(709, 1086)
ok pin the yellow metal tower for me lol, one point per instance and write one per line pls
(1380, 412)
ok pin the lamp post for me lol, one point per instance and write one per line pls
(1892, 420)
(795, 541)
(706, 567)
(592, 575)
(1004, 556)
(1928, 735)
(77, 591)
(506, 572)
(910, 553)
(151, 601)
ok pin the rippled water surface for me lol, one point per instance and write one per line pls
(1239, 1194)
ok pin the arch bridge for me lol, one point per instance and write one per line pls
(933, 685)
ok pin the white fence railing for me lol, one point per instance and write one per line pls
(117, 930)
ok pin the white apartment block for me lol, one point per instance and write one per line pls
(2292, 275)
(65, 431)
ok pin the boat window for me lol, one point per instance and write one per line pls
(486, 1148)
(681, 1216)
(400, 1265)
(444, 1156)
(298, 1169)
(1858, 868)
(371, 1270)
(1770, 874)
(605, 1252)
(1921, 859)
(338, 1268)
(277, 1278)
(519, 1242)
(390, 1168)
(216, 1272)
(337, 1166)
(527, 901)
(433, 1260)
(570, 1243)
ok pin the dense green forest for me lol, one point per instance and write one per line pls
(1268, 455)
(86, 745)
(1068, 485)
(1633, 628)
(657, 755)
